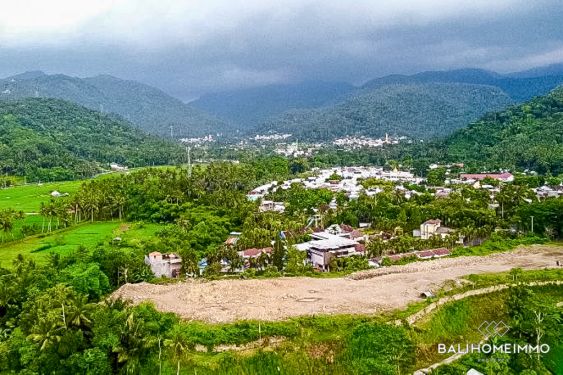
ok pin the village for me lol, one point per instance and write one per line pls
(326, 246)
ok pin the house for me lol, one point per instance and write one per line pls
(425, 254)
(167, 265)
(232, 239)
(254, 253)
(422, 254)
(548, 192)
(117, 168)
(271, 206)
(327, 246)
(504, 177)
(441, 252)
(430, 228)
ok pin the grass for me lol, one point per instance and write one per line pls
(66, 240)
(456, 323)
(488, 279)
(28, 198)
(497, 244)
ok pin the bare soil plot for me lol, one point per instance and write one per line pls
(366, 292)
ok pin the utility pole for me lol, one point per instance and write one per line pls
(188, 150)
(532, 224)
(171, 131)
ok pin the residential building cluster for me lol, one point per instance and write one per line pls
(349, 181)
(354, 142)
(294, 150)
(198, 140)
(271, 137)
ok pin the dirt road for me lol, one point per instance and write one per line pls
(366, 292)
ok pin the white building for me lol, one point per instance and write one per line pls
(167, 265)
(326, 246)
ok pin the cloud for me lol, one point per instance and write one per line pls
(191, 47)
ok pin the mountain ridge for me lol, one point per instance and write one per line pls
(420, 111)
(525, 136)
(149, 108)
(53, 139)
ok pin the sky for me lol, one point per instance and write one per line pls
(192, 47)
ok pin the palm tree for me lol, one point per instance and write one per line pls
(6, 223)
(178, 343)
(79, 312)
(133, 344)
(47, 334)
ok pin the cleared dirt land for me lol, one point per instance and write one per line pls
(366, 292)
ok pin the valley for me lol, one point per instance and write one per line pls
(294, 248)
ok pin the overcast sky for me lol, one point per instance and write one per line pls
(191, 47)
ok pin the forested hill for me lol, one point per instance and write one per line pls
(527, 136)
(519, 86)
(418, 111)
(251, 106)
(146, 107)
(51, 139)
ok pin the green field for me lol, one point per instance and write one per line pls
(69, 239)
(28, 198)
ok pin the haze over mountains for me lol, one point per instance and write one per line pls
(423, 105)
(145, 106)
(410, 105)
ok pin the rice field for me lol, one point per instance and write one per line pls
(67, 240)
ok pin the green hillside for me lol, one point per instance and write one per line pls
(527, 136)
(419, 111)
(148, 108)
(251, 106)
(50, 139)
(520, 86)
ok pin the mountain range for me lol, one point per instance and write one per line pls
(146, 107)
(400, 104)
(422, 105)
(420, 111)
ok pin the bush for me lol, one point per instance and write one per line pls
(377, 348)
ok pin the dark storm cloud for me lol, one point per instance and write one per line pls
(192, 47)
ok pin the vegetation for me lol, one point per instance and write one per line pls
(51, 321)
(251, 106)
(528, 136)
(147, 107)
(416, 111)
(48, 140)
(520, 86)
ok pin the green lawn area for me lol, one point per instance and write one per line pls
(28, 198)
(66, 240)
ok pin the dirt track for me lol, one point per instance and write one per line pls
(365, 292)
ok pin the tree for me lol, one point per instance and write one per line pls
(178, 342)
(436, 177)
(278, 254)
(296, 261)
